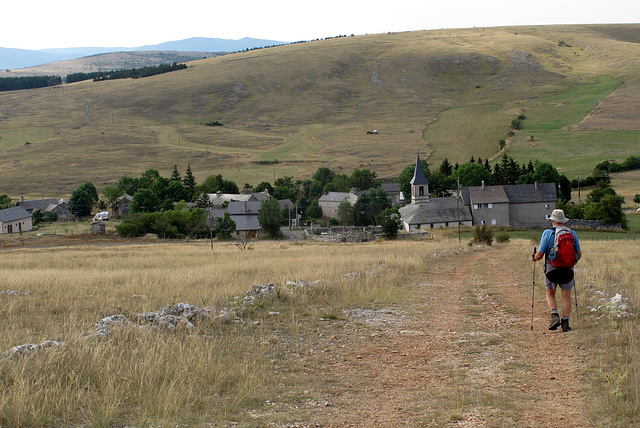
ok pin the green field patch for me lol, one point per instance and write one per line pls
(569, 107)
(22, 136)
(460, 133)
(575, 151)
(299, 146)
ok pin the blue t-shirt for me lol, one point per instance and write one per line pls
(548, 238)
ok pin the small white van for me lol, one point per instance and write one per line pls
(101, 216)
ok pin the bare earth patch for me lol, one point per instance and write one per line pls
(618, 111)
(461, 353)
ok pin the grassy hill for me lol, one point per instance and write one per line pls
(444, 93)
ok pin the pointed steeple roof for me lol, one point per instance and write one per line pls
(418, 175)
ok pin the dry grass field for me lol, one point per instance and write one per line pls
(385, 333)
(310, 104)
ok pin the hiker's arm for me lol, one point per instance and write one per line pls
(537, 256)
(579, 253)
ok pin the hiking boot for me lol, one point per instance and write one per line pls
(565, 324)
(555, 322)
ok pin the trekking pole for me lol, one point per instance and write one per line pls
(575, 289)
(533, 287)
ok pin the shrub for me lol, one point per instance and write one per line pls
(502, 238)
(483, 234)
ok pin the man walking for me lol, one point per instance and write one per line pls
(547, 243)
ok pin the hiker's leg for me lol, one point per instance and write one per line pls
(551, 299)
(566, 302)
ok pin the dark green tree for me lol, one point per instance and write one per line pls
(270, 217)
(82, 200)
(368, 206)
(389, 219)
(5, 201)
(636, 198)
(340, 183)
(446, 168)
(608, 210)
(223, 227)
(262, 186)
(362, 179)
(145, 201)
(472, 174)
(189, 182)
(128, 185)
(598, 193)
(147, 178)
(176, 192)
(323, 175)
(314, 210)
(344, 212)
(175, 174)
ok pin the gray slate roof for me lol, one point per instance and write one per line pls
(488, 195)
(418, 174)
(437, 210)
(513, 194)
(40, 204)
(335, 197)
(246, 222)
(545, 192)
(246, 207)
(13, 214)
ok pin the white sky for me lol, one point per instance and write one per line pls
(40, 24)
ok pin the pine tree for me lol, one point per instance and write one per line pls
(189, 182)
(175, 175)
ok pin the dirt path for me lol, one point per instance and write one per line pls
(462, 354)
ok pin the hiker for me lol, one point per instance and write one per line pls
(560, 276)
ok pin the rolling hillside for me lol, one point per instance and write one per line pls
(288, 110)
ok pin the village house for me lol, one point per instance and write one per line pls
(517, 205)
(48, 205)
(245, 213)
(330, 201)
(393, 192)
(219, 200)
(122, 206)
(15, 220)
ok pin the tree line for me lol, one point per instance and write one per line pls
(133, 73)
(28, 82)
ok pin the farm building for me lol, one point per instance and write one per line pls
(330, 201)
(15, 220)
(518, 205)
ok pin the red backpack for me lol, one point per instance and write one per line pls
(563, 252)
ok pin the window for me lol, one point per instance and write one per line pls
(547, 206)
(489, 205)
(476, 206)
(482, 222)
(493, 222)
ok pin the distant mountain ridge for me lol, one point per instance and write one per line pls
(20, 58)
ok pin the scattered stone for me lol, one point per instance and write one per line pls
(15, 293)
(615, 306)
(30, 348)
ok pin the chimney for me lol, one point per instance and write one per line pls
(536, 184)
(22, 198)
(483, 184)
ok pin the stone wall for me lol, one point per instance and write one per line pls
(592, 225)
